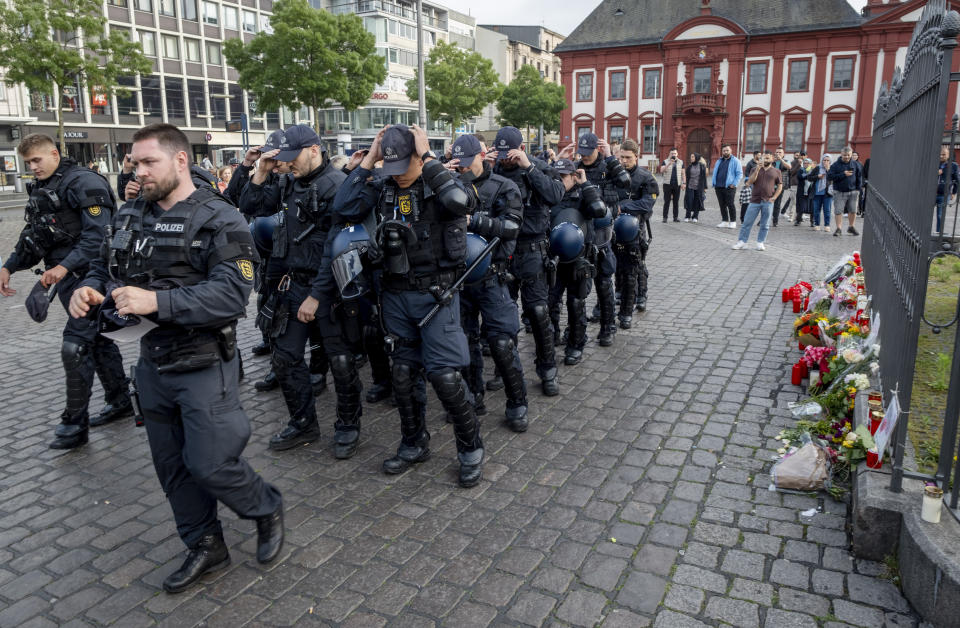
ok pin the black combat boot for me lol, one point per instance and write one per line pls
(414, 437)
(505, 356)
(108, 364)
(577, 337)
(346, 381)
(209, 555)
(452, 393)
(299, 431)
(261, 349)
(79, 368)
(546, 354)
(378, 392)
(270, 536)
(269, 382)
(111, 412)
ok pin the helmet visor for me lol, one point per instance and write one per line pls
(347, 267)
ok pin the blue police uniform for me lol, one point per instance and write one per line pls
(631, 256)
(614, 184)
(67, 215)
(421, 235)
(539, 191)
(499, 214)
(198, 256)
(581, 205)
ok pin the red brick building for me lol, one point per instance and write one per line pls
(695, 74)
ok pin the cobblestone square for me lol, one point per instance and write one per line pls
(638, 497)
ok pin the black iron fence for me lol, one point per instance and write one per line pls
(898, 240)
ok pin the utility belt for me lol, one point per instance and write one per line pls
(426, 283)
(496, 275)
(198, 350)
(302, 277)
(526, 246)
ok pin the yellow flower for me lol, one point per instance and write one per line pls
(848, 444)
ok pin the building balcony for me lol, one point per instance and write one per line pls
(701, 103)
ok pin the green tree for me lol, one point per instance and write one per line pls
(529, 100)
(49, 45)
(313, 58)
(459, 84)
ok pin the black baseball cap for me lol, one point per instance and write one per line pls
(587, 144)
(465, 149)
(508, 138)
(294, 140)
(565, 166)
(397, 146)
(273, 141)
(38, 301)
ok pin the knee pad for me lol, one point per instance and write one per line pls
(341, 364)
(502, 345)
(447, 382)
(72, 354)
(404, 375)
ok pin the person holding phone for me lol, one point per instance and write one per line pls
(673, 181)
(847, 178)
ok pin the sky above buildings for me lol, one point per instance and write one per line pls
(557, 15)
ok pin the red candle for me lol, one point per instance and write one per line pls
(796, 305)
(795, 376)
(786, 294)
(806, 303)
(874, 460)
(804, 370)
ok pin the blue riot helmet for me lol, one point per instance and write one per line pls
(262, 230)
(475, 246)
(347, 253)
(626, 227)
(566, 241)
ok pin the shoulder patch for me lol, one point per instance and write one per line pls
(94, 210)
(246, 268)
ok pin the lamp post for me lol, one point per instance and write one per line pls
(421, 88)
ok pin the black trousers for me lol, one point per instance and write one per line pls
(671, 192)
(728, 207)
(197, 431)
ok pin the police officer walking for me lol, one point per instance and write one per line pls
(498, 215)
(633, 234)
(421, 212)
(604, 171)
(183, 259)
(298, 243)
(67, 213)
(571, 241)
(539, 190)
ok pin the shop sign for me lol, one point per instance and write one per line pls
(75, 135)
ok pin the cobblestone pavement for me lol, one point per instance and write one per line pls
(638, 497)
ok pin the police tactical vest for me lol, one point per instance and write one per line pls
(306, 219)
(55, 221)
(488, 193)
(536, 214)
(167, 251)
(440, 241)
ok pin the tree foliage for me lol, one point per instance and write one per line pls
(312, 58)
(459, 83)
(51, 44)
(529, 100)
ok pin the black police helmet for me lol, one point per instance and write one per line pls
(262, 230)
(346, 252)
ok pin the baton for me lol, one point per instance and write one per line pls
(444, 298)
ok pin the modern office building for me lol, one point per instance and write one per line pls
(510, 47)
(394, 24)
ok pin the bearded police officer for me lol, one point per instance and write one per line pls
(421, 211)
(604, 171)
(539, 191)
(632, 251)
(572, 243)
(499, 214)
(183, 260)
(298, 244)
(66, 215)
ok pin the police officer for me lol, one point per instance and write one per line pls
(67, 213)
(604, 171)
(539, 190)
(499, 214)
(298, 243)
(183, 258)
(572, 242)
(632, 252)
(421, 211)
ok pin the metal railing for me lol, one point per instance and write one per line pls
(908, 131)
(701, 102)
